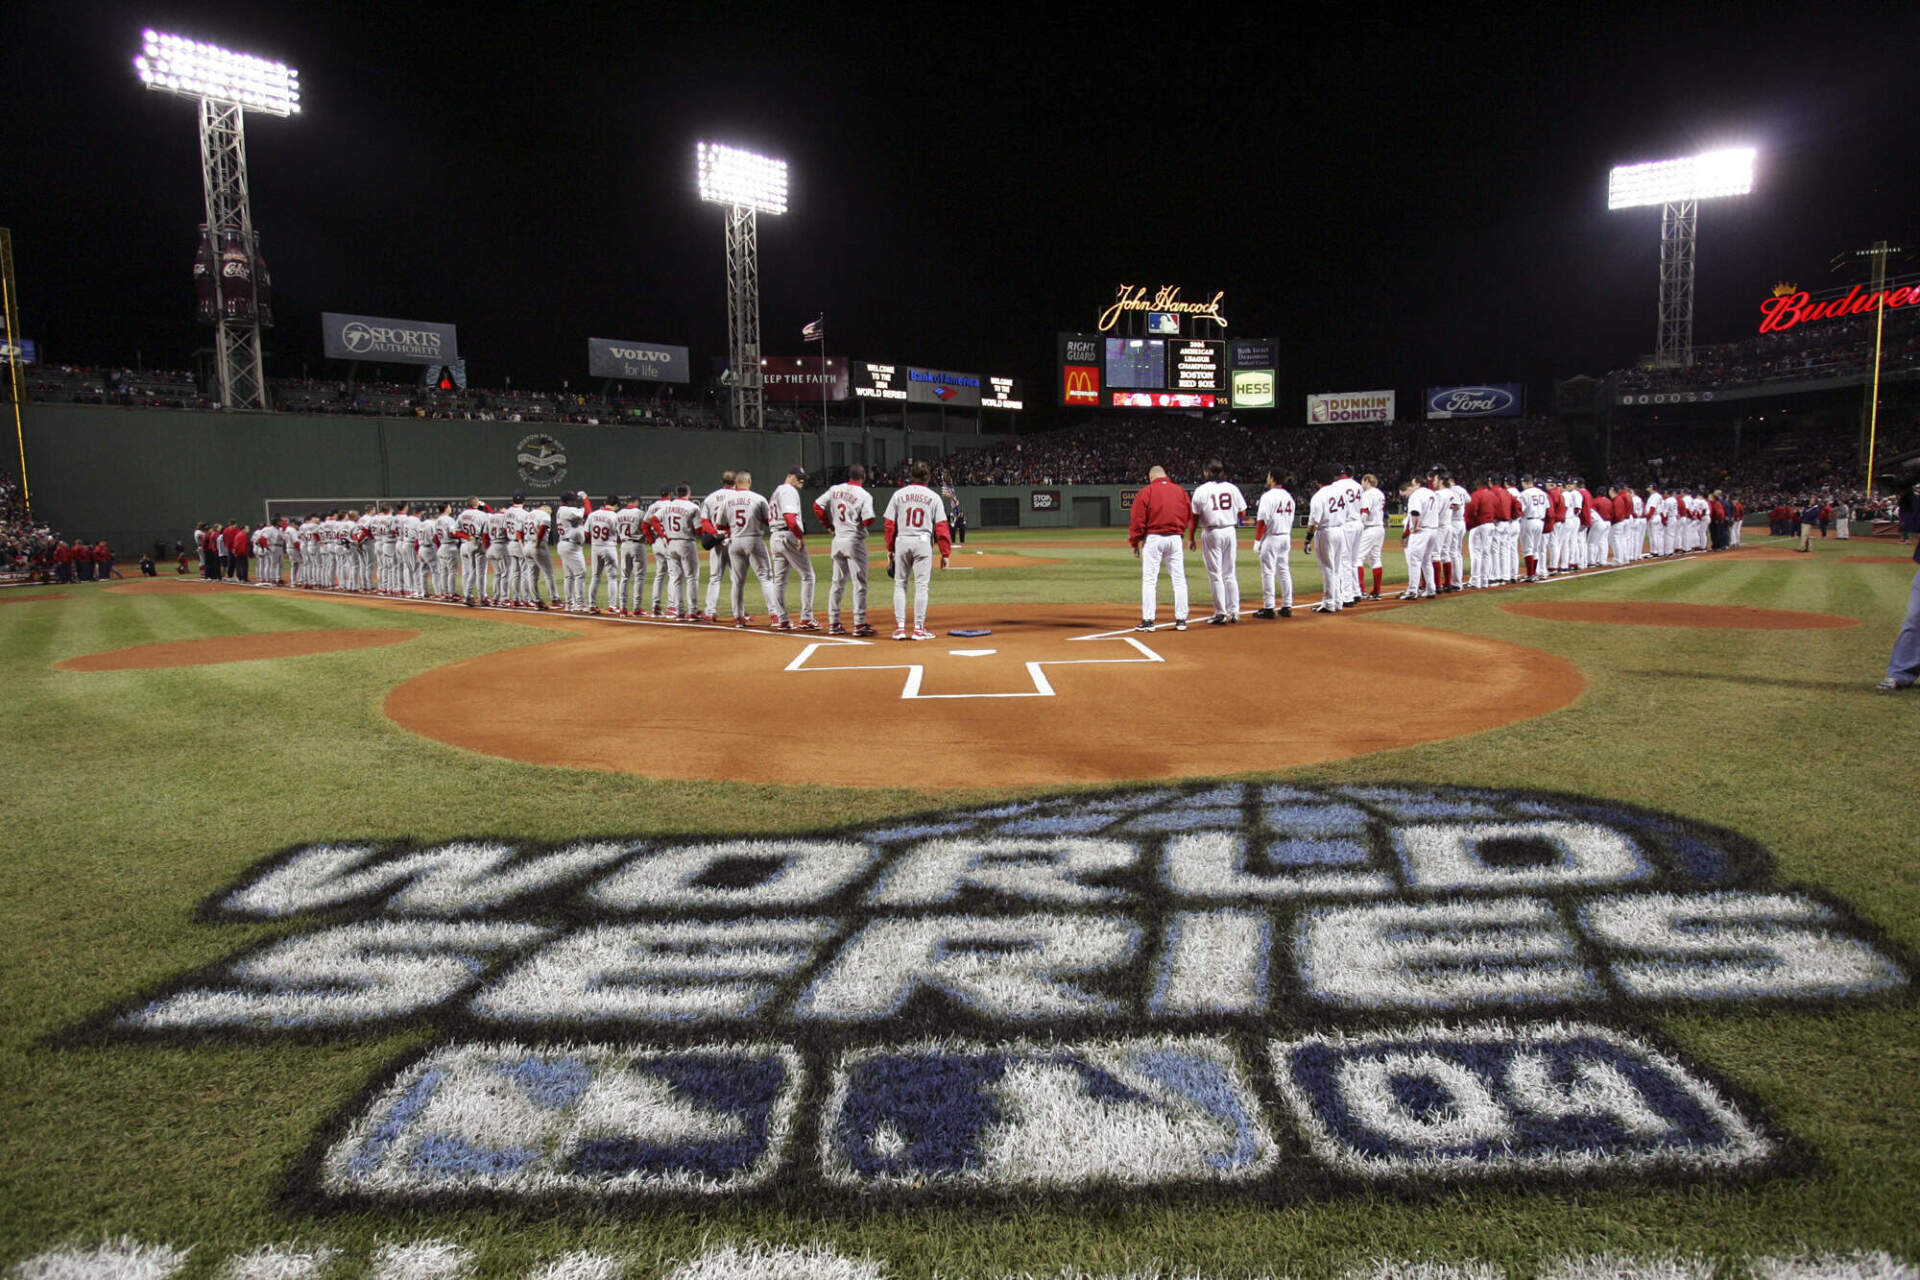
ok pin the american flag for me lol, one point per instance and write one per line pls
(816, 331)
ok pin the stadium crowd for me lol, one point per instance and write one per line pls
(1822, 349)
(32, 552)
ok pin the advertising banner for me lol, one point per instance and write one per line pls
(387, 341)
(1165, 400)
(637, 361)
(1486, 400)
(1253, 389)
(939, 386)
(1253, 353)
(879, 381)
(1350, 406)
(24, 349)
(799, 380)
(1081, 356)
(1002, 393)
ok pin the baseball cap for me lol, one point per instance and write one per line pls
(797, 471)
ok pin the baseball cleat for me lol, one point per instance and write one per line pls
(785, 624)
(709, 617)
(862, 629)
(1324, 607)
(1179, 624)
(1146, 624)
(1265, 613)
(899, 635)
(595, 610)
(1286, 611)
(1218, 619)
(743, 622)
(808, 624)
(921, 633)
(836, 630)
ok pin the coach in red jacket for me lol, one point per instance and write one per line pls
(1162, 513)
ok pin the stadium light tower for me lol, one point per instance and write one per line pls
(226, 85)
(746, 185)
(1679, 186)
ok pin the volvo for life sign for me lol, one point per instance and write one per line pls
(1495, 400)
(636, 361)
(387, 341)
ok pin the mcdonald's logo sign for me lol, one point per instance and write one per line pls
(1080, 384)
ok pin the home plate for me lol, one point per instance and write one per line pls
(973, 653)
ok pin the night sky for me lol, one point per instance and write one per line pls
(1400, 204)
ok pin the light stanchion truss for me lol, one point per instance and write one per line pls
(1679, 186)
(746, 185)
(226, 85)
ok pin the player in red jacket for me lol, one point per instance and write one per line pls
(1162, 513)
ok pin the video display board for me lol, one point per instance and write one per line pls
(1166, 400)
(1136, 363)
(1196, 365)
(879, 381)
(1002, 393)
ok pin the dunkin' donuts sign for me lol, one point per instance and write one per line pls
(1242, 989)
(1350, 406)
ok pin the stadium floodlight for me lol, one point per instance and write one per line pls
(1678, 186)
(1702, 177)
(195, 69)
(227, 85)
(742, 179)
(747, 185)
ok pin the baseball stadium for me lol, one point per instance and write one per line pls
(1123, 812)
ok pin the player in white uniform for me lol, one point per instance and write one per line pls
(630, 546)
(1457, 497)
(381, 519)
(1373, 536)
(1508, 569)
(1326, 525)
(603, 546)
(1533, 519)
(446, 543)
(262, 542)
(498, 560)
(789, 547)
(1273, 542)
(717, 562)
(469, 528)
(1217, 506)
(846, 510)
(1439, 519)
(1573, 540)
(1350, 551)
(916, 520)
(539, 522)
(519, 559)
(679, 519)
(747, 519)
(1422, 533)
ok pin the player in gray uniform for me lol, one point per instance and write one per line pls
(603, 555)
(747, 524)
(846, 510)
(717, 553)
(789, 547)
(657, 533)
(679, 524)
(630, 549)
(916, 520)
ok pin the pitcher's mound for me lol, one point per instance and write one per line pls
(1650, 613)
(201, 653)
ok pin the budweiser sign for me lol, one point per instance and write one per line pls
(1784, 311)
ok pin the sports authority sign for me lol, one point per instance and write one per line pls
(1246, 989)
(1497, 400)
(637, 361)
(386, 341)
(1350, 406)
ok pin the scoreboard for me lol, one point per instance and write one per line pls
(1104, 372)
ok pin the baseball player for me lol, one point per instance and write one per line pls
(657, 535)
(1373, 535)
(262, 541)
(746, 517)
(1421, 532)
(1599, 529)
(679, 519)
(573, 566)
(630, 546)
(469, 531)
(1273, 543)
(1350, 546)
(712, 527)
(1217, 504)
(790, 549)
(916, 520)
(1162, 515)
(1326, 525)
(1534, 506)
(603, 543)
(539, 525)
(846, 510)
(519, 558)
(494, 537)
(446, 546)
(1455, 495)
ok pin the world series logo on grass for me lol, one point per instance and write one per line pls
(1243, 989)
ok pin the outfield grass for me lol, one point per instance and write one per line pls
(134, 795)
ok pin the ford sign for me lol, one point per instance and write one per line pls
(1500, 400)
